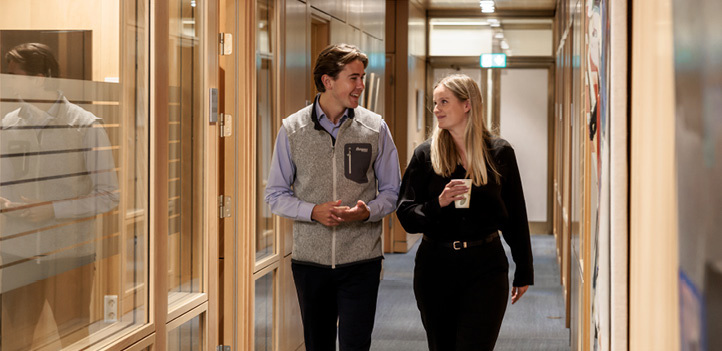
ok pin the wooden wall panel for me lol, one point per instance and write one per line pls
(409, 76)
(374, 13)
(296, 82)
(653, 312)
(335, 8)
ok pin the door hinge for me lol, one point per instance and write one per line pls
(224, 206)
(225, 42)
(223, 348)
(226, 124)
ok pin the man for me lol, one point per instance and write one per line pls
(56, 174)
(335, 171)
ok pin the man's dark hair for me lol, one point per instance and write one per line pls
(35, 59)
(333, 59)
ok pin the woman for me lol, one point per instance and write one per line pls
(461, 273)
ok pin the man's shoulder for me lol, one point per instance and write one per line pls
(368, 118)
(77, 116)
(298, 120)
(11, 119)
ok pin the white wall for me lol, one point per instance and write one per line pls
(463, 41)
(529, 42)
(524, 122)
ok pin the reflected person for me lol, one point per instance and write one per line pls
(57, 174)
(461, 271)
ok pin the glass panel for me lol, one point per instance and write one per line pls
(265, 68)
(187, 337)
(263, 316)
(185, 151)
(73, 172)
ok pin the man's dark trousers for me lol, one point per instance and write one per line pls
(345, 294)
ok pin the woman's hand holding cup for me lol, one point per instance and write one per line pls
(455, 190)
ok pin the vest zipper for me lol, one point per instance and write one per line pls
(333, 229)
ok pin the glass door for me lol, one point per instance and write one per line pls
(74, 163)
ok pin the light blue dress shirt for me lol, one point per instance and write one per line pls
(282, 199)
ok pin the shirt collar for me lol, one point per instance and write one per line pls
(55, 109)
(37, 117)
(317, 114)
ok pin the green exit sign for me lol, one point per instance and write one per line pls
(492, 60)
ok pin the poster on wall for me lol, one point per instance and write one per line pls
(698, 143)
(597, 110)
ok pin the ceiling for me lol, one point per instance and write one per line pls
(501, 5)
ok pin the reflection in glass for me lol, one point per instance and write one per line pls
(185, 167)
(263, 316)
(187, 337)
(265, 66)
(73, 176)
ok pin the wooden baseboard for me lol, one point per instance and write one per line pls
(403, 246)
(540, 227)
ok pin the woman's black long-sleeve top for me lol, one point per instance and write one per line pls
(494, 206)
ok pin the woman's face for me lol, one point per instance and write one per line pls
(450, 112)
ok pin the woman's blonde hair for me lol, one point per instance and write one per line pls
(444, 156)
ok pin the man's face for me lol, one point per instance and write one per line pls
(348, 85)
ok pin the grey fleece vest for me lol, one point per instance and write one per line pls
(342, 171)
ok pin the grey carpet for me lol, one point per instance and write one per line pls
(536, 322)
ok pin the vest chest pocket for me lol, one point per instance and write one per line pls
(356, 161)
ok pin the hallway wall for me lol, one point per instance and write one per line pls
(524, 123)
(406, 49)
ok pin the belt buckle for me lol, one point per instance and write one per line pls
(458, 245)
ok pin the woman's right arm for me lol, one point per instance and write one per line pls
(417, 210)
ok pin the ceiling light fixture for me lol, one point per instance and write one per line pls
(487, 6)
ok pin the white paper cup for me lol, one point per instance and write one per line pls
(464, 203)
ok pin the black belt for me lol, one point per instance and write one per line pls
(458, 245)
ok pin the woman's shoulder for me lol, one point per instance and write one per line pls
(498, 145)
(423, 151)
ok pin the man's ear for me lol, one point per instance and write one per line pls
(327, 81)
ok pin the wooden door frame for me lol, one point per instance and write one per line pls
(204, 305)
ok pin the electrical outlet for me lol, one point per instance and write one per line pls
(111, 308)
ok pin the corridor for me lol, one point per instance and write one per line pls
(138, 139)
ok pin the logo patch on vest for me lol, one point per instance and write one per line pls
(356, 162)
